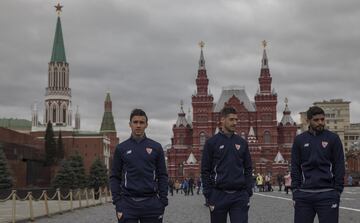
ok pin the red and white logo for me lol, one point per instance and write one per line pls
(237, 146)
(149, 150)
(324, 144)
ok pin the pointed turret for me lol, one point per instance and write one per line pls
(265, 77)
(107, 124)
(58, 93)
(77, 119)
(251, 136)
(181, 121)
(264, 60)
(58, 52)
(279, 158)
(202, 81)
(287, 119)
(191, 159)
(202, 59)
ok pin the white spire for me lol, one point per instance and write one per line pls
(202, 60)
(191, 159)
(264, 61)
(251, 132)
(279, 158)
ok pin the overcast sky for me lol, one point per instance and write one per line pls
(145, 53)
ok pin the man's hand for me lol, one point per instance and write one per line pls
(119, 215)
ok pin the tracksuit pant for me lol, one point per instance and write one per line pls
(324, 204)
(236, 203)
(147, 210)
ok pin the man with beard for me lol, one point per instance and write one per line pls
(226, 172)
(317, 171)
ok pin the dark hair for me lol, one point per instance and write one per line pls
(227, 110)
(314, 110)
(138, 112)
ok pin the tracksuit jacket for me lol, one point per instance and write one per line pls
(226, 164)
(138, 171)
(317, 162)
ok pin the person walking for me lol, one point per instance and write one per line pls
(171, 187)
(280, 179)
(260, 182)
(191, 186)
(287, 179)
(139, 180)
(317, 171)
(226, 171)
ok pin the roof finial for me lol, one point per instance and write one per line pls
(264, 43)
(286, 100)
(181, 104)
(58, 8)
(201, 44)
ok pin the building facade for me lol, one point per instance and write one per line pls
(337, 113)
(58, 111)
(269, 141)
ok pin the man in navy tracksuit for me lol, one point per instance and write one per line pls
(226, 172)
(317, 171)
(139, 180)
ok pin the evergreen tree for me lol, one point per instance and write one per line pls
(98, 174)
(50, 145)
(65, 177)
(60, 153)
(77, 165)
(5, 176)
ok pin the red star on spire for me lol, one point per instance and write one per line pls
(58, 8)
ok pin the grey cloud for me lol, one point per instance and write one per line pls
(145, 53)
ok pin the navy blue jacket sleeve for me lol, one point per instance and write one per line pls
(248, 170)
(295, 165)
(162, 176)
(115, 179)
(206, 168)
(338, 165)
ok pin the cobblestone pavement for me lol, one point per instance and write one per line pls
(266, 207)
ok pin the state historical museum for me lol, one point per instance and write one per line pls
(269, 141)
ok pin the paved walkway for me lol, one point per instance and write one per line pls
(266, 207)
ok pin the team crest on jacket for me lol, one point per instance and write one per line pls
(237, 146)
(324, 144)
(148, 150)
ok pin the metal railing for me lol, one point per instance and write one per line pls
(47, 205)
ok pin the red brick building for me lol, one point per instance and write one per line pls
(25, 156)
(270, 141)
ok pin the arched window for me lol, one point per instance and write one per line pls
(63, 78)
(267, 137)
(181, 139)
(181, 169)
(202, 138)
(55, 77)
(54, 115)
(64, 115)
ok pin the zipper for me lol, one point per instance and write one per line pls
(215, 173)
(331, 173)
(126, 179)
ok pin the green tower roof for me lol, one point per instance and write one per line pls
(108, 124)
(58, 52)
